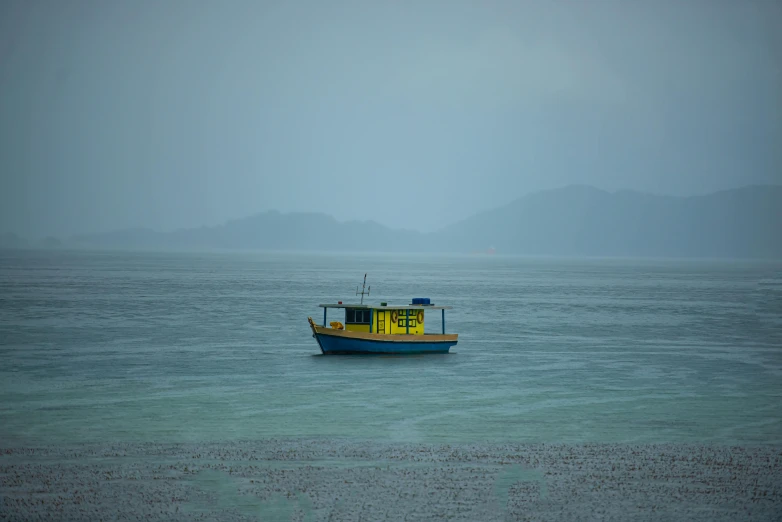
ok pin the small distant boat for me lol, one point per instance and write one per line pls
(382, 329)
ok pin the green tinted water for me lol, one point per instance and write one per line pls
(194, 347)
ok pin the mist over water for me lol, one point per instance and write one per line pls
(200, 347)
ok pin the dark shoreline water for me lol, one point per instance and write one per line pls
(349, 480)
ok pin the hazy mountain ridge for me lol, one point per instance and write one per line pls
(268, 230)
(576, 220)
(579, 220)
(11, 240)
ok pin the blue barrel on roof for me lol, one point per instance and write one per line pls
(421, 301)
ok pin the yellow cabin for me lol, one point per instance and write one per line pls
(385, 319)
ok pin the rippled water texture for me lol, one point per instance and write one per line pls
(196, 347)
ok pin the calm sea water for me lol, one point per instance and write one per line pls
(194, 347)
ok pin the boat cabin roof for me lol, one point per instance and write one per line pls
(390, 307)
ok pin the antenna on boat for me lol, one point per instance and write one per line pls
(362, 289)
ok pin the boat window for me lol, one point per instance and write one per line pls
(357, 316)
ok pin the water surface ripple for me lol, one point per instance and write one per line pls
(197, 347)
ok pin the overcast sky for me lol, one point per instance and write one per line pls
(170, 114)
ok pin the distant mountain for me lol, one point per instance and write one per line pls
(269, 231)
(11, 240)
(50, 242)
(572, 221)
(585, 221)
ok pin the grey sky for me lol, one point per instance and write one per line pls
(183, 113)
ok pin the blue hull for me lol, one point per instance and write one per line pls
(332, 345)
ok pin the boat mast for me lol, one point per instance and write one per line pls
(362, 289)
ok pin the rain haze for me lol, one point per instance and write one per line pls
(400, 260)
(181, 114)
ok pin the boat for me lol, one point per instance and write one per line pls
(383, 328)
